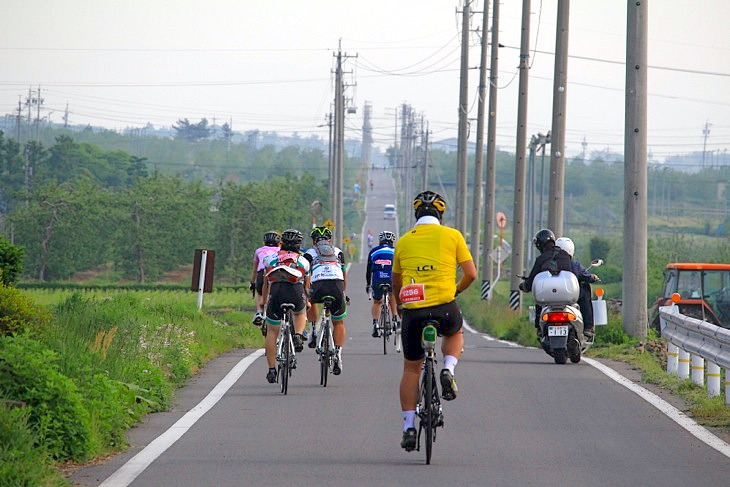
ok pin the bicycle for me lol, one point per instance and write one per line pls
(325, 342)
(428, 410)
(385, 324)
(285, 355)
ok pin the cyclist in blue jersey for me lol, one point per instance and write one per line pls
(380, 271)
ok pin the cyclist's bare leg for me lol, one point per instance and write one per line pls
(300, 322)
(375, 310)
(271, 337)
(313, 313)
(409, 384)
(453, 345)
(339, 332)
(393, 308)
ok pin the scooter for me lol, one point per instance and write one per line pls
(560, 321)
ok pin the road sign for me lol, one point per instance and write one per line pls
(346, 240)
(501, 220)
(329, 224)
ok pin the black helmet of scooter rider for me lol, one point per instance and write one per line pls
(428, 203)
(542, 238)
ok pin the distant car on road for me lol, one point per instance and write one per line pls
(389, 212)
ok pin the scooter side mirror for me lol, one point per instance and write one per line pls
(596, 262)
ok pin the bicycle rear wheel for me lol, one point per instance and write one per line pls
(384, 326)
(324, 358)
(428, 407)
(284, 371)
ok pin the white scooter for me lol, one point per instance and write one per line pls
(560, 322)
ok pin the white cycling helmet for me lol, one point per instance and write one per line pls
(566, 244)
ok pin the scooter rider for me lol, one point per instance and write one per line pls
(551, 258)
(585, 279)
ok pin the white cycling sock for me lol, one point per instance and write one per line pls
(450, 363)
(409, 420)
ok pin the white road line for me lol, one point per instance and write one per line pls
(137, 464)
(673, 413)
(670, 411)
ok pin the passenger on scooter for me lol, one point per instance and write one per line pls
(551, 258)
(585, 278)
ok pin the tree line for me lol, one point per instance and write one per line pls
(83, 207)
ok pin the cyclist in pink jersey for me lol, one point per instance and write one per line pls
(272, 243)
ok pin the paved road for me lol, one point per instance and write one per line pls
(519, 420)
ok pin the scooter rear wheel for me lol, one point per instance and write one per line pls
(560, 356)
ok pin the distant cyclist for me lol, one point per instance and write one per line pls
(272, 241)
(329, 278)
(287, 281)
(424, 281)
(379, 271)
(370, 239)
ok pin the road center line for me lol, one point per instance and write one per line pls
(126, 474)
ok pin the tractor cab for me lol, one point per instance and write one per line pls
(704, 291)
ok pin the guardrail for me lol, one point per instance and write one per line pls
(691, 343)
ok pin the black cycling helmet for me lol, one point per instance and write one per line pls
(543, 237)
(387, 238)
(272, 238)
(319, 233)
(429, 203)
(291, 239)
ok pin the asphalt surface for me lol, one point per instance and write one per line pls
(519, 420)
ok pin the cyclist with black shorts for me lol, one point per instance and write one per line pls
(287, 281)
(424, 281)
(272, 241)
(329, 278)
(379, 271)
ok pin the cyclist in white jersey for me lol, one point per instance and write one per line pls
(328, 278)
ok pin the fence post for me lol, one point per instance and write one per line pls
(727, 387)
(698, 370)
(672, 358)
(713, 379)
(683, 367)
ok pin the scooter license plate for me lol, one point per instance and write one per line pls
(557, 331)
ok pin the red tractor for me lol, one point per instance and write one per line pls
(704, 290)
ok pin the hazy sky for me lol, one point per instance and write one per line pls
(267, 65)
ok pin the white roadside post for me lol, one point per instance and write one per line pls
(698, 370)
(201, 279)
(727, 387)
(672, 358)
(713, 379)
(683, 369)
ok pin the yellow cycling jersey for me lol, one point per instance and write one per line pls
(427, 258)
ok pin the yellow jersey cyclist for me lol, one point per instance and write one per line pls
(424, 282)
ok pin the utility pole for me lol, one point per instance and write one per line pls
(633, 311)
(705, 132)
(367, 135)
(557, 146)
(489, 199)
(339, 153)
(518, 220)
(461, 153)
(17, 120)
(476, 207)
(65, 117)
(424, 155)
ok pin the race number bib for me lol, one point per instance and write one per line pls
(413, 293)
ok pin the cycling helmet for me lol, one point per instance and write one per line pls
(319, 233)
(429, 203)
(291, 239)
(566, 244)
(272, 238)
(543, 237)
(387, 238)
